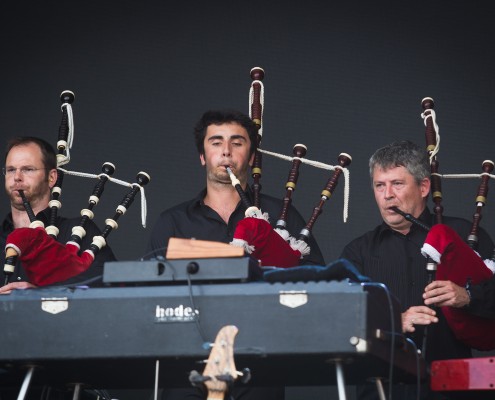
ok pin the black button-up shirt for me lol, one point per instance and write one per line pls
(395, 260)
(194, 219)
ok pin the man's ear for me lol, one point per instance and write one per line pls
(251, 159)
(425, 187)
(52, 178)
(202, 158)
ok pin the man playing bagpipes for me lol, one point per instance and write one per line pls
(391, 254)
(226, 139)
(31, 166)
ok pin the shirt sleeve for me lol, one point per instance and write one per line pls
(162, 231)
(352, 253)
(483, 299)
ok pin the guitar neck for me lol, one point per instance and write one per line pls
(214, 395)
(220, 367)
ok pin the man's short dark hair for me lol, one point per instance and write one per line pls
(219, 117)
(48, 155)
(402, 154)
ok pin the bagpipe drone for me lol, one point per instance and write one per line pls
(275, 246)
(449, 256)
(45, 260)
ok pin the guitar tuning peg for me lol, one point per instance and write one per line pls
(228, 379)
(196, 379)
(245, 375)
(207, 345)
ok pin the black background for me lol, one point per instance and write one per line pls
(340, 77)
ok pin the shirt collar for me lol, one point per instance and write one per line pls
(426, 217)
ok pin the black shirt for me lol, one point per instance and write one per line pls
(194, 219)
(394, 259)
(91, 275)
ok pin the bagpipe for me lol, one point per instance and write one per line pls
(453, 258)
(46, 260)
(276, 246)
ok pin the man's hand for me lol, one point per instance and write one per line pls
(417, 315)
(446, 293)
(7, 289)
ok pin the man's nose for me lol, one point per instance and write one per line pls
(226, 151)
(389, 193)
(18, 174)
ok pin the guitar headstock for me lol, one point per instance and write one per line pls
(220, 370)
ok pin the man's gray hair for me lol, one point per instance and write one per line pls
(402, 154)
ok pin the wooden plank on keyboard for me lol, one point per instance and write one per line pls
(191, 248)
(463, 374)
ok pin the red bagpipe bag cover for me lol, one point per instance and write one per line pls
(45, 260)
(459, 263)
(266, 244)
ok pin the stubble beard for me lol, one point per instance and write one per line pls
(34, 195)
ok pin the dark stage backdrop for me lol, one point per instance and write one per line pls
(340, 77)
